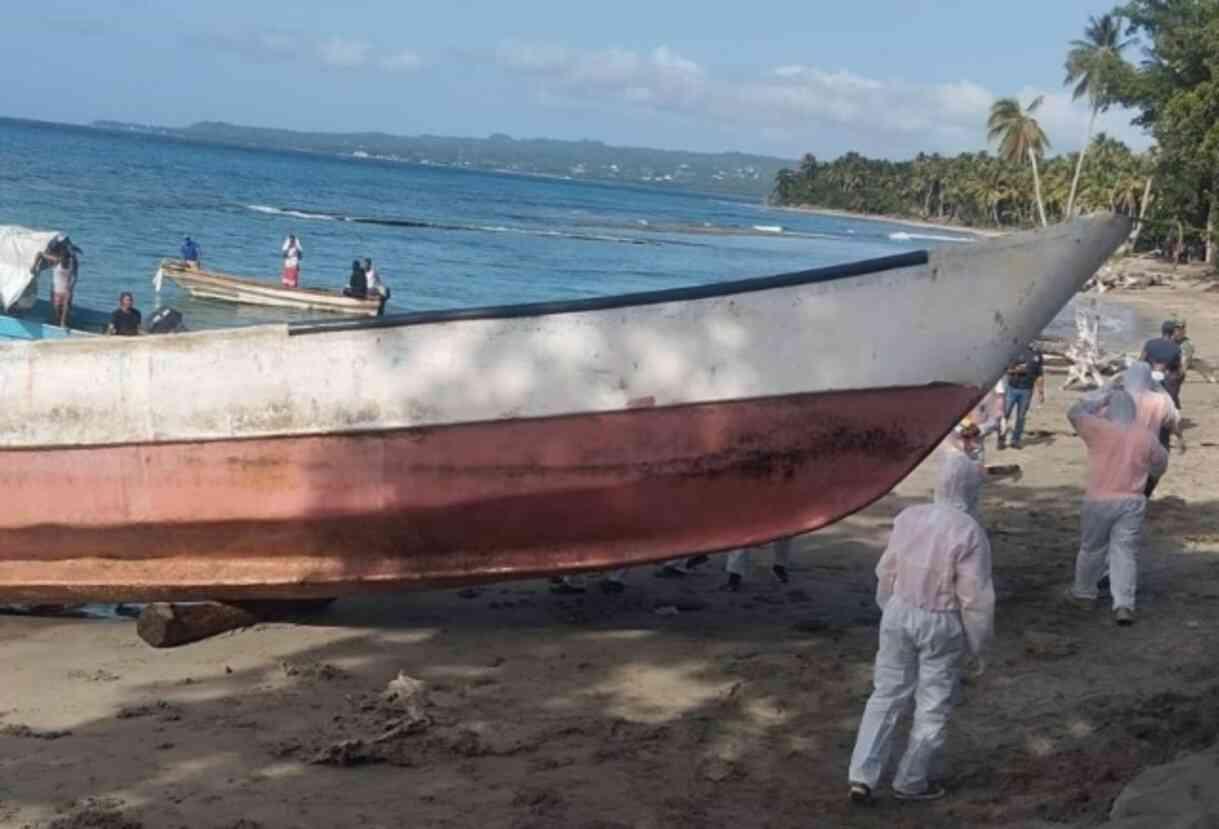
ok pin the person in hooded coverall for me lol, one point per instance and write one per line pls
(1154, 410)
(939, 603)
(1121, 455)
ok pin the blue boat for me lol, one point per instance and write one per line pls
(24, 253)
(33, 325)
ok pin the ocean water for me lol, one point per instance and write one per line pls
(440, 237)
(443, 237)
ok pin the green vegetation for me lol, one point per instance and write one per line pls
(1173, 188)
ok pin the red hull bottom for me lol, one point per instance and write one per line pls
(331, 515)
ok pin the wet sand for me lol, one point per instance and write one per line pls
(599, 711)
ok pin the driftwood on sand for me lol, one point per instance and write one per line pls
(168, 625)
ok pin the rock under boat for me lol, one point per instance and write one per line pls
(319, 459)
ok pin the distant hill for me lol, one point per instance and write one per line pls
(730, 173)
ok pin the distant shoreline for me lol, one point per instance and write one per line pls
(894, 220)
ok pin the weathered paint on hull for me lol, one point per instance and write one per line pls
(326, 515)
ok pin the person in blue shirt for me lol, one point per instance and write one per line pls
(190, 252)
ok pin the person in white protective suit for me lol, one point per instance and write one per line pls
(1154, 410)
(1122, 453)
(939, 603)
(961, 468)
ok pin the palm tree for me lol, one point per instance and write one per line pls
(1019, 136)
(1093, 65)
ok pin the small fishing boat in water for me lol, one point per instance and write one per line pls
(23, 316)
(324, 458)
(212, 285)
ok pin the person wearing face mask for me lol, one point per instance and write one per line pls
(938, 601)
(961, 459)
(1122, 454)
(1163, 354)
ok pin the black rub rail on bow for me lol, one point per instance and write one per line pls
(609, 303)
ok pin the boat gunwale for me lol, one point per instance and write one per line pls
(706, 290)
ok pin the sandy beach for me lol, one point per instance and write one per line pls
(671, 705)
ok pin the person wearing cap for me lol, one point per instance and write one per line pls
(1163, 354)
(1154, 411)
(1025, 374)
(934, 588)
(1122, 454)
(190, 253)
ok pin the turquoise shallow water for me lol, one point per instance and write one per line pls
(451, 237)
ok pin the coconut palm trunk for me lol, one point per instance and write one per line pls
(1037, 187)
(1079, 166)
(1133, 242)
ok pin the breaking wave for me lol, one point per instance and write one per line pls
(902, 236)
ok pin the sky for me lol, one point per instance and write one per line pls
(887, 78)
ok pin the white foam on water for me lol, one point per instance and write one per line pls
(768, 228)
(902, 236)
(275, 211)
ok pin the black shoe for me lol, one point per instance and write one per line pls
(696, 561)
(1002, 442)
(1017, 445)
(565, 589)
(611, 586)
(781, 573)
(669, 571)
(860, 793)
(734, 583)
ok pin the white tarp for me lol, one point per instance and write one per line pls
(19, 246)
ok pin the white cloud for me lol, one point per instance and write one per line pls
(659, 79)
(403, 61)
(343, 53)
(793, 105)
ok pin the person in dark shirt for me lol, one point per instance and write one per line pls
(125, 321)
(1164, 355)
(190, 252)
(1024, 374)
(357, 285)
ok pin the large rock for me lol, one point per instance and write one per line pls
(1180, 795)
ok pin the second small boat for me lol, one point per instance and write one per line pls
(212, 285)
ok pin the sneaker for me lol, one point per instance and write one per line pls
(929, 793)
(1124, 616)
(860, 793)
(781, 573)
(670, 571)
(734, 583)
(696, 561)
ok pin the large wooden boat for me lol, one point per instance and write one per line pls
(319, 459)
(220, 286)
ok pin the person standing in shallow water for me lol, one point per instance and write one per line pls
(293, 252)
